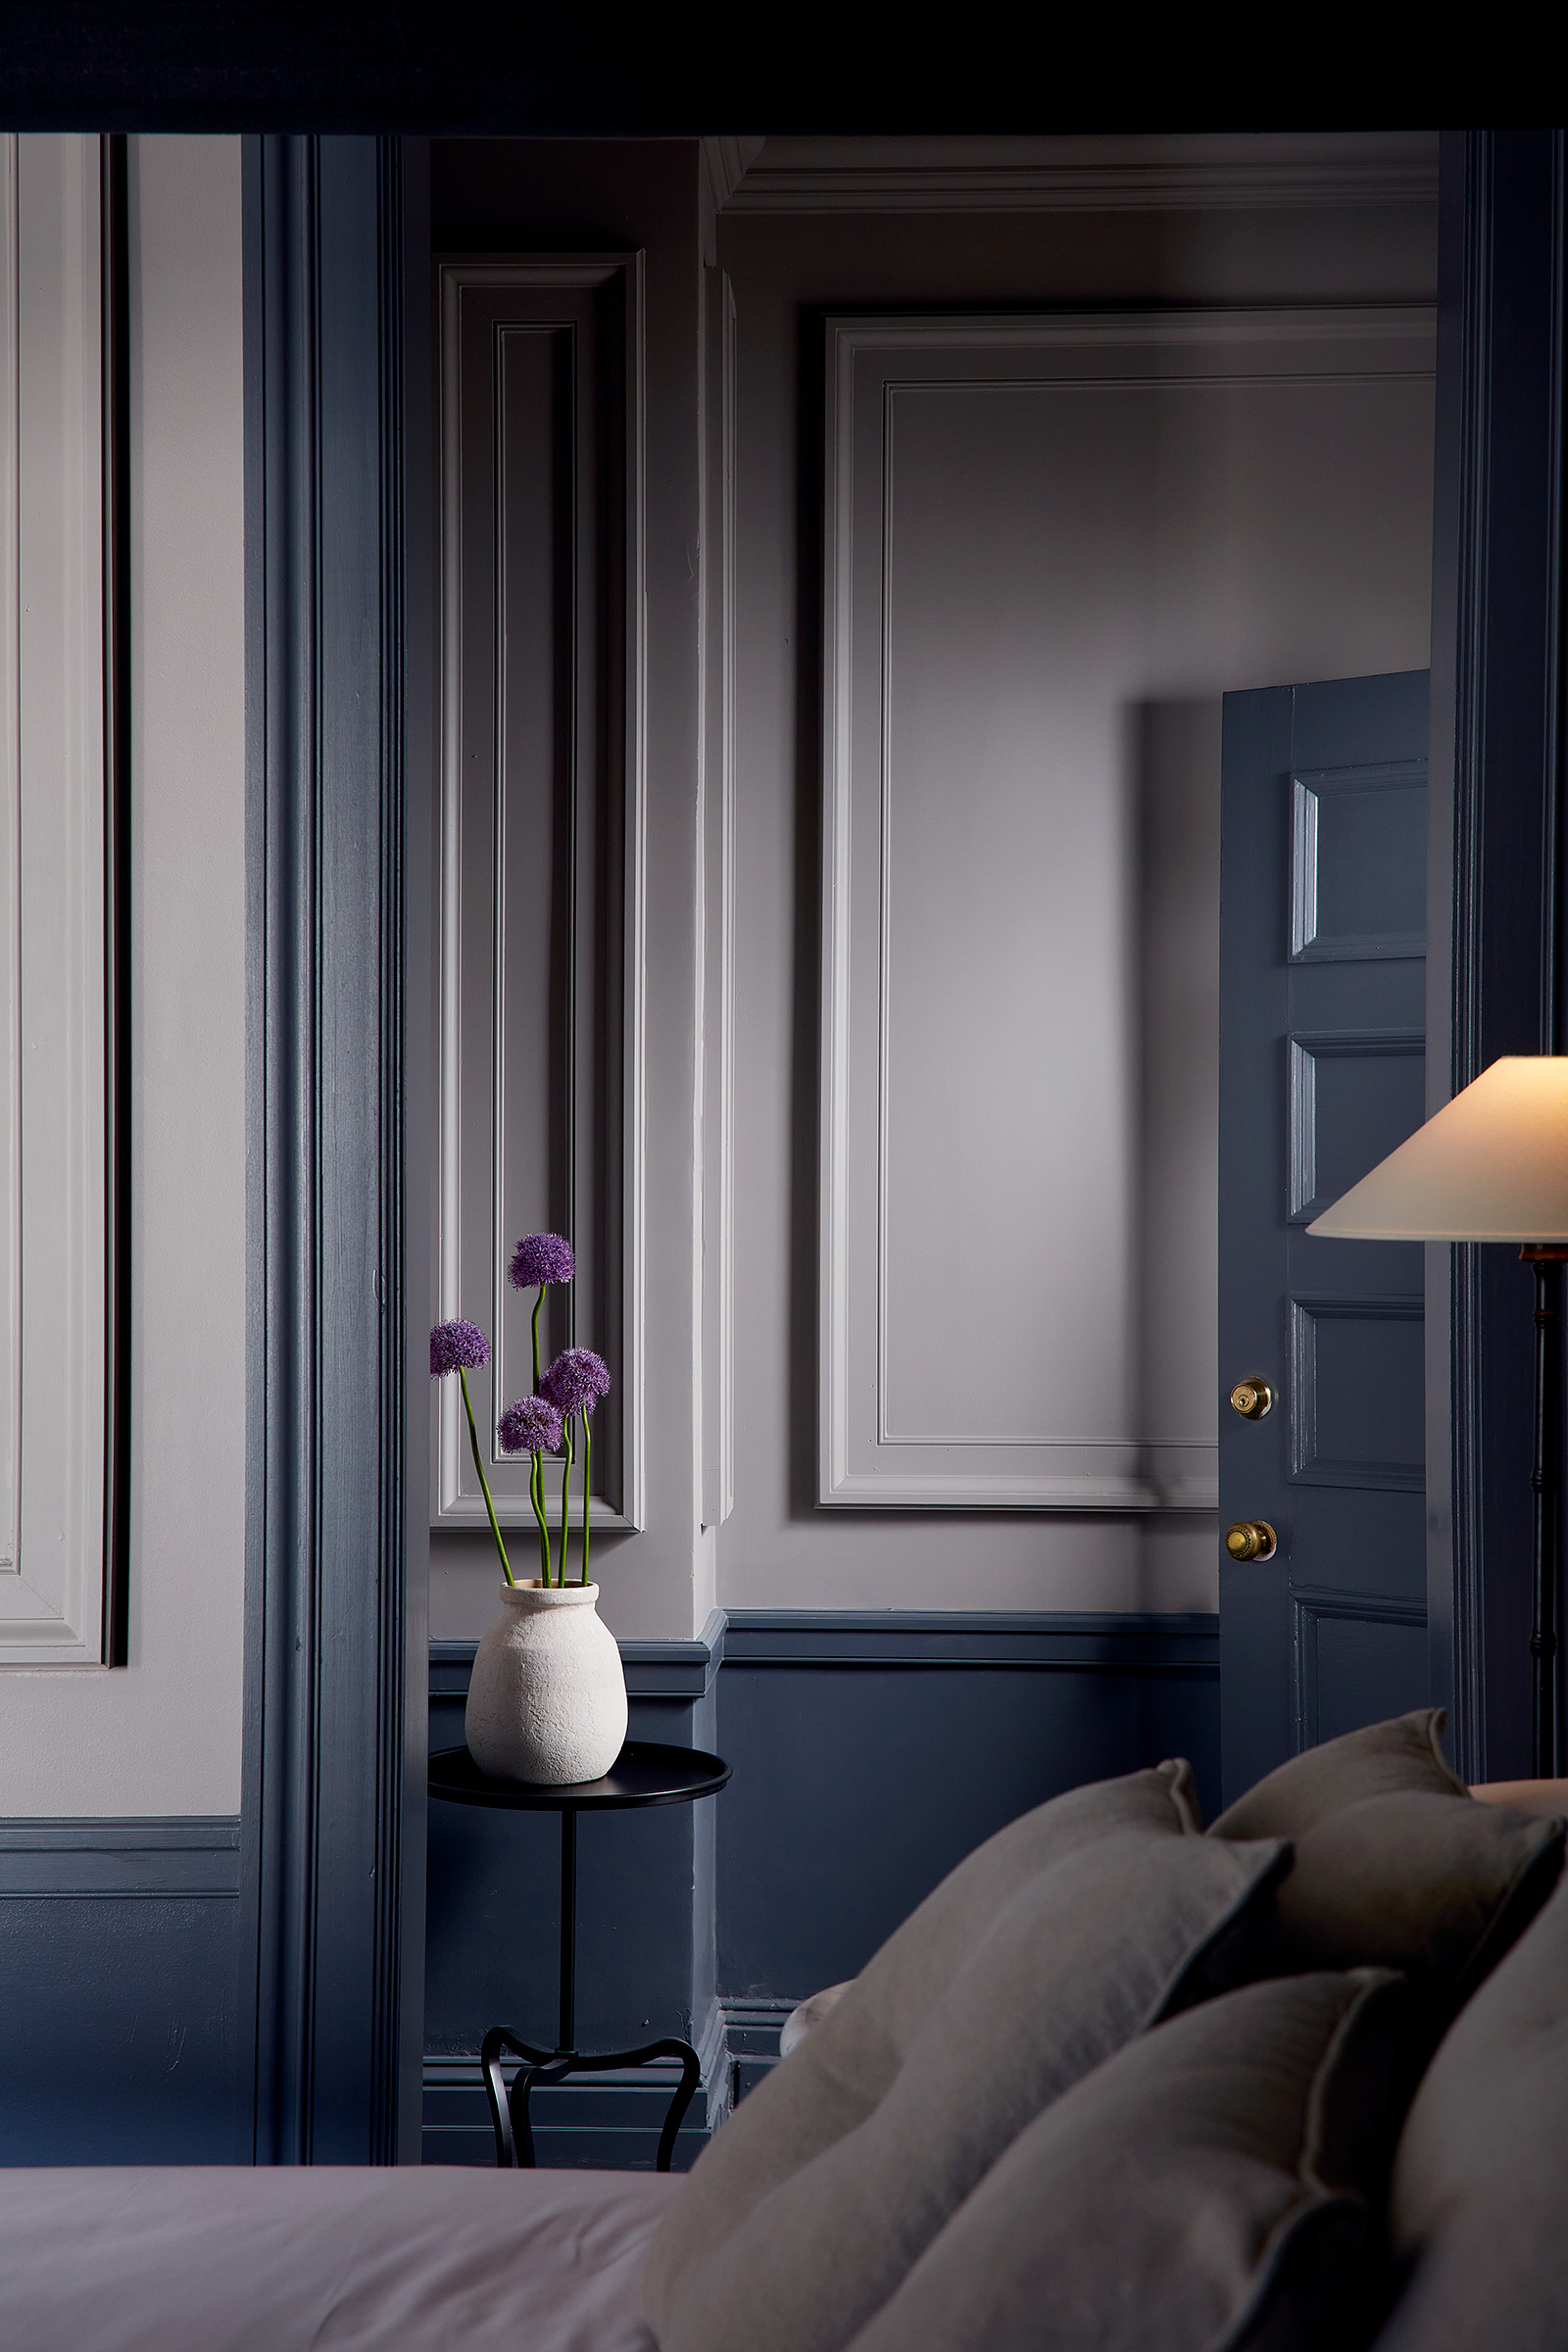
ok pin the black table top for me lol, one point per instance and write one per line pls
(646, 1772)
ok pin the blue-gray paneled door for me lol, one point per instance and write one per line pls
(1322, 1073)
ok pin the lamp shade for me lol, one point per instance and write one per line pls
(1490, 1166)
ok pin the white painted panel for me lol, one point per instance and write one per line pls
(10, 872)
(716, 1107)
(543, 753)
(163, 1735)
(1032, 529)
(52, 930)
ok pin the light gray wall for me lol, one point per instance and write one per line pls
(163, 1735)
(1313, 562)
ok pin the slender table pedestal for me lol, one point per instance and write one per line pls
(646, 1772)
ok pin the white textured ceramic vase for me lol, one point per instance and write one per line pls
(547, 1699)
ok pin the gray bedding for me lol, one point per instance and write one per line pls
(212, 2259)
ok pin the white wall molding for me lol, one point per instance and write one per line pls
(716, 1107)
(723, 165)
(501, 1089)
(908, 1418)
(1216, 173)
(53, 1134)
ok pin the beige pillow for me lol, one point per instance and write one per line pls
(1475, 2210)
(809, 2013)
(835, 2078)
(1437, 1888)
(1385, 1759)
(1397, 1866)
(1206, 2190)
(788, 2242)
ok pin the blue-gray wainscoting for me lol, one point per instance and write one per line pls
(872, 1750)
(117, 1953)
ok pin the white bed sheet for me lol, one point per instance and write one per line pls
(441, 2258)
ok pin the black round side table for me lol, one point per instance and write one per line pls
(646, 1772)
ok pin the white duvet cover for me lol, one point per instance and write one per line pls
(301, 2259)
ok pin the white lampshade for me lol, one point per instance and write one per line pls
(1490, 1166)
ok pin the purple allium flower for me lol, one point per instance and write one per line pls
(457, 1343)
(530, 1426)
(575, 1381)
(541, 1258)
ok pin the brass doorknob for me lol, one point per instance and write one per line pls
(1251, 1539)
(1252, 1399)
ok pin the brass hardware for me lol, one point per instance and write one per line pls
(1251, 1539)
(1251, 1397)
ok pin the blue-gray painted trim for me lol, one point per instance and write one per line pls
(326, 1689)
(1369, 1608)
(751, 2029)
(612, 2120)
(673, 1669)
(1080, 1639)
(1181, 1643)
(1496, 975)
(124, 1855)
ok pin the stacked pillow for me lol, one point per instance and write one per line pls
(1115, 2071)
(1474, 2209)
(1396, 1866)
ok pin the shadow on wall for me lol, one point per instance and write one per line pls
(1173, 751)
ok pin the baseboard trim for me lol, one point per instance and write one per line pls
(609, 2122)
(750, 2037)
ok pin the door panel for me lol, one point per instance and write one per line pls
(1323, 891)
(1357, 1664)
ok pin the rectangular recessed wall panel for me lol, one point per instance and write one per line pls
(541, 845)
(55, 1196)
(996, 1328)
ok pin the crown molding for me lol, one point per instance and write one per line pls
(1212, 173)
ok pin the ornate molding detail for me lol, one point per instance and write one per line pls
(1108, 174)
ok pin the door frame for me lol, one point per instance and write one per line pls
(336, 1643)
(1494, 971)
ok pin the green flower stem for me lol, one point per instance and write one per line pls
(536, 1496)
(536, 1465)
(565, 1497)
(587, 1484)
(484, 1483)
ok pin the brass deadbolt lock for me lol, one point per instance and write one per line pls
(1252, 1399)
(1251, 1539)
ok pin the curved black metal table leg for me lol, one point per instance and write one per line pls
(685, 2092)
(504, 2110)
(646, 1772)
(522, 2083)
(510, 2113)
